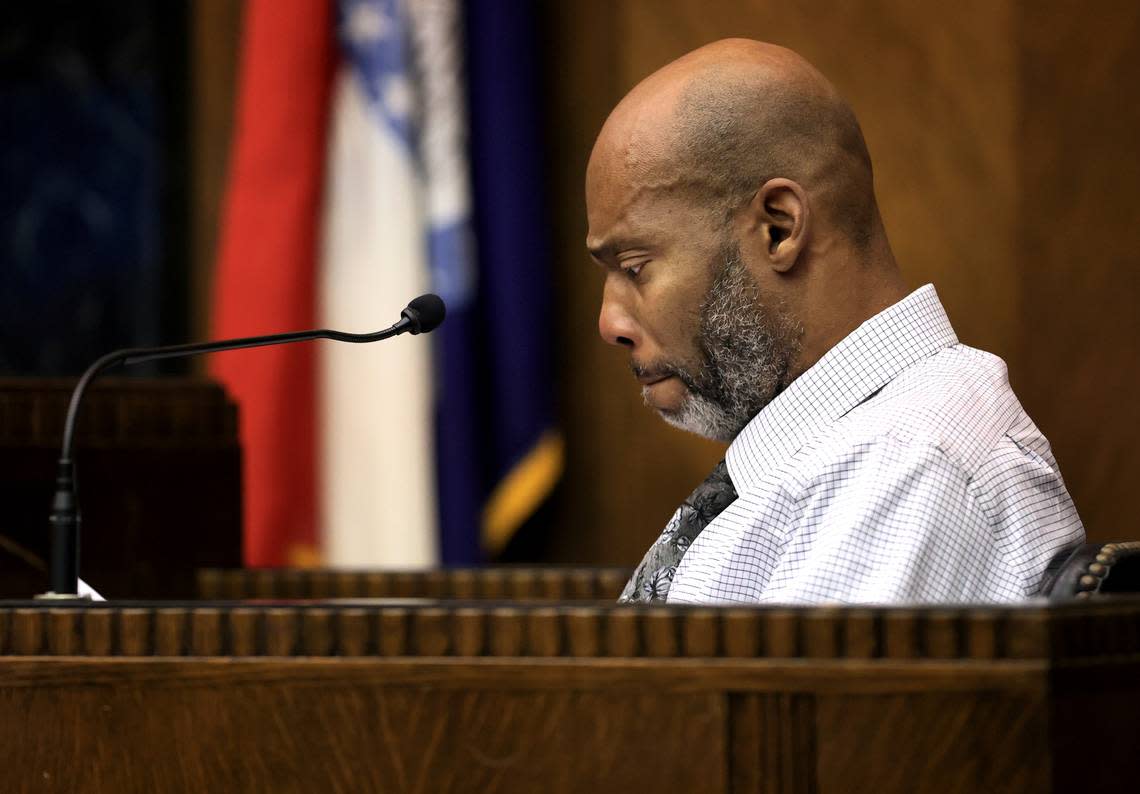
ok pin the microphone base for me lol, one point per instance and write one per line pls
(53, 596)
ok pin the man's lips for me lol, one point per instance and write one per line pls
(649, 376)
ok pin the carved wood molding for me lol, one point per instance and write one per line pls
(474, 629)
(515, 584)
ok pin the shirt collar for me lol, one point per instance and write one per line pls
(862, 363)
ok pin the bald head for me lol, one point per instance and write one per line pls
(719, 122)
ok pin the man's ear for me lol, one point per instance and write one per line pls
(778, 219)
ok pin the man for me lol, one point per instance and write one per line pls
(873, 457)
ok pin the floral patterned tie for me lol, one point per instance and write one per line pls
(651, 580)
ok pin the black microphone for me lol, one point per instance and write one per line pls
(425, 313)
(422, 315)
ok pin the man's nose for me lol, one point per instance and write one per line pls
(615, 323)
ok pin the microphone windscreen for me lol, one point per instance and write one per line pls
(427, 312)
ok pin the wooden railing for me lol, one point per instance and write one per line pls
(482, 696)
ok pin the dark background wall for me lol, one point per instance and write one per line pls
(93, 138)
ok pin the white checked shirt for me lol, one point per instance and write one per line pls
(901, 467)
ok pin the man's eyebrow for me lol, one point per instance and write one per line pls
(608, 248)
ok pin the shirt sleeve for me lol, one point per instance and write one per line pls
(891, 521)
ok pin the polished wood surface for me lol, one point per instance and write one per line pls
(509, 697)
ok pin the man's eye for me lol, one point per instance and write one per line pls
(633, 271)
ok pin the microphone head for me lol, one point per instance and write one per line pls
(425, 313)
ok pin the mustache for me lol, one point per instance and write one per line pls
(652, 371)
(663, 369)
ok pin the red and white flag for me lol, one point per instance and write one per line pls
(326, 225)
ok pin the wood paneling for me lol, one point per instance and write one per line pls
(1003, 136)
(945, 751)
(438, 697)
(215, 30)
(354, 737)
(773, 744)
(1078, 369)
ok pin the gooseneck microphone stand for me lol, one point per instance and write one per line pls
(421, 316)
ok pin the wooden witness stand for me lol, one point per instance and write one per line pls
(564, 696)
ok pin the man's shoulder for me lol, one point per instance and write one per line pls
(956, 404)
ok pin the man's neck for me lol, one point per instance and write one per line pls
(877, 286)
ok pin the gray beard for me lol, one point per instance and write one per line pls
(746, 350)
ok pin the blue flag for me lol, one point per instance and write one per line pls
(499, 453)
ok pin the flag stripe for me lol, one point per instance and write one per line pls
(378, 497)
(522, 490)
(513, 380)
(264, 280)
